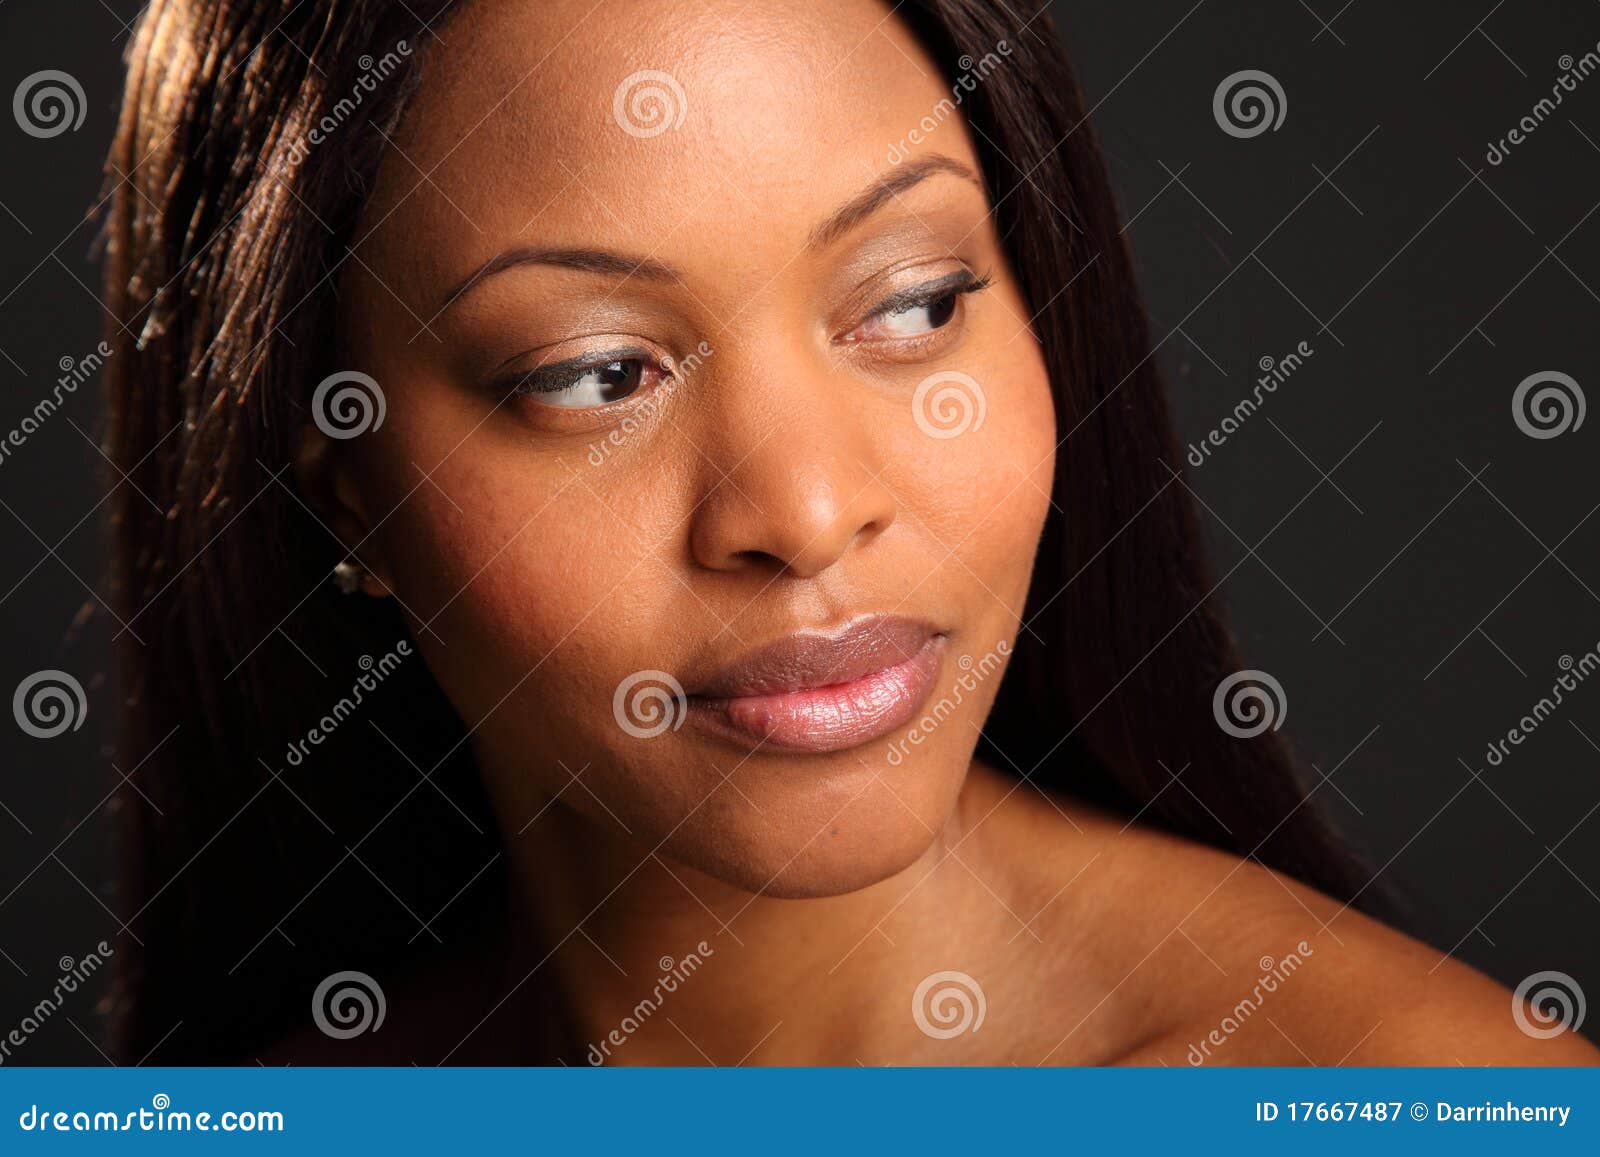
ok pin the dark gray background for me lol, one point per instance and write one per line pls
(1406, 562)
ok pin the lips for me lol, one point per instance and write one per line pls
(822, 692)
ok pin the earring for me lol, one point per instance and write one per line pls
(347, 577)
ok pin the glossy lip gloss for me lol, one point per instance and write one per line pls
(823, 692)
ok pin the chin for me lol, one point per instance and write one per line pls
(850, 832)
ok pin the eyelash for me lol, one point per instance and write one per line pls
(559, 376)
(956, 285)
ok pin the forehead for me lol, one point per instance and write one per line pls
(653, 124)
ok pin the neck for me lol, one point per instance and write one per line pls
(663, 964)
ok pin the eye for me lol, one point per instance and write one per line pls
(918, 312)
(918, 319)
(585, 383)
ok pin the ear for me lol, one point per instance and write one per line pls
(322, 472)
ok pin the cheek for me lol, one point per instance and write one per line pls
(532, 582)
(981, 466)
(1011, 479)
(545, 593)
(1022, 478)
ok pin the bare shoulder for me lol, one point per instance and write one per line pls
(1186, 955)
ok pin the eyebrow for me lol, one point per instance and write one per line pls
(620, 265)
(884, 190)
(601, 261)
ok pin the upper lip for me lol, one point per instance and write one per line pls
(809, 659)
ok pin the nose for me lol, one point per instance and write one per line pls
(792, 483)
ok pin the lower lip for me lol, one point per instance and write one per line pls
(823, 719)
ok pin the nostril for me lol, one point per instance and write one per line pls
(759, 559)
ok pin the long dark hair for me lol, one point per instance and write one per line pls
(247, 876)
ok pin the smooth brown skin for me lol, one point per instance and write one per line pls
(780, 484)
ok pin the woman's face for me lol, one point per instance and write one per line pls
(704, 370)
